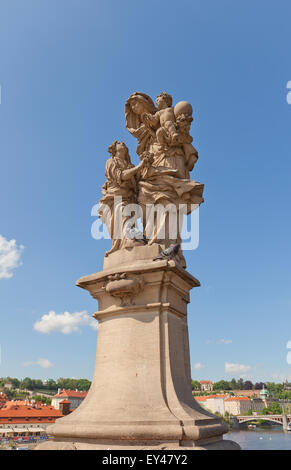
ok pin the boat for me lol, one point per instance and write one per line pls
(252, 426)
(289, 427)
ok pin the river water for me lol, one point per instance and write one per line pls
(262, 439)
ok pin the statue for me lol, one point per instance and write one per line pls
(142, 293)
(164, 133)
(120, 186)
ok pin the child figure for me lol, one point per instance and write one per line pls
(165, 118)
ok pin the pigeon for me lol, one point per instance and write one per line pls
(169, 253)
(134, 234)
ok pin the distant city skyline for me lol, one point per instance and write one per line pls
(66, 69)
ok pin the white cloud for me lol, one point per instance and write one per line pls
(64, 322)
(44, 363)
(220, 341)
(198, 366)
(225, 341)
(10, 254)
(232, 368)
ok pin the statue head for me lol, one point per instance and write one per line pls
(164, 100)
(139, 103)
(119, 149)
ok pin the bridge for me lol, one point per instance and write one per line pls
(284, 420)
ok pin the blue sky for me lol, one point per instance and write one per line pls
(66, 70)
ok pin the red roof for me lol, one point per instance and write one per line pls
(203, 398)
(205, 382)
(70, 394)
(17, 412)
(237, 399)
(246, 393)
(63, 402)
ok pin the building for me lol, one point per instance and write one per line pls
(237, 405)
(65, 407)
(257, 404)
(75, 397)
(246, 393)
(213, 403)
(24, 418)
(8, 385)
(206, 385)
(286, 385)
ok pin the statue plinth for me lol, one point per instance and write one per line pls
(141, 393)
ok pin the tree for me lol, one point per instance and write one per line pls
(73, 384)
(40, 398)
(240, 384)
(259, 385)
(15, 382)
(26, 384)
(273, 408)
(233, 384)
(50, 385)
(248, 385)
(222, 385)
(195, 385)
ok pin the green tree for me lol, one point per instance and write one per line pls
(273, 408)
(222, 385)
(26, 383)
(40, 398)
(240, 384)
(195, 385)
(233, 384)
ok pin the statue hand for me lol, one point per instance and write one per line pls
(147, 159)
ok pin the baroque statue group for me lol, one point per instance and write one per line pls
(143, 291)
(161, 179)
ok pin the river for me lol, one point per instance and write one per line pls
(272, 438)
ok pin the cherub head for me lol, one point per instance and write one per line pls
(164, 100)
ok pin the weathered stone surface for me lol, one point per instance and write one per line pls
(141, 391)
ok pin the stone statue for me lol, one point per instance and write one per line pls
(164, 133)
(119, 190)
(142, 293)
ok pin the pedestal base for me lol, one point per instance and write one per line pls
(222, 444)
(141, 393)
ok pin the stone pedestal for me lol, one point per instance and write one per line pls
(141, 392)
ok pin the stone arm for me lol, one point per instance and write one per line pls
(152, 120)
(128, 174)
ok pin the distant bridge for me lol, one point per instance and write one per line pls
(284, 420)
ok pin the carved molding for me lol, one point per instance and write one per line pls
(124, 286)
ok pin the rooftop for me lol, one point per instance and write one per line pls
(237, 399)
(23, 412)
(206, 397)
(71, 394)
